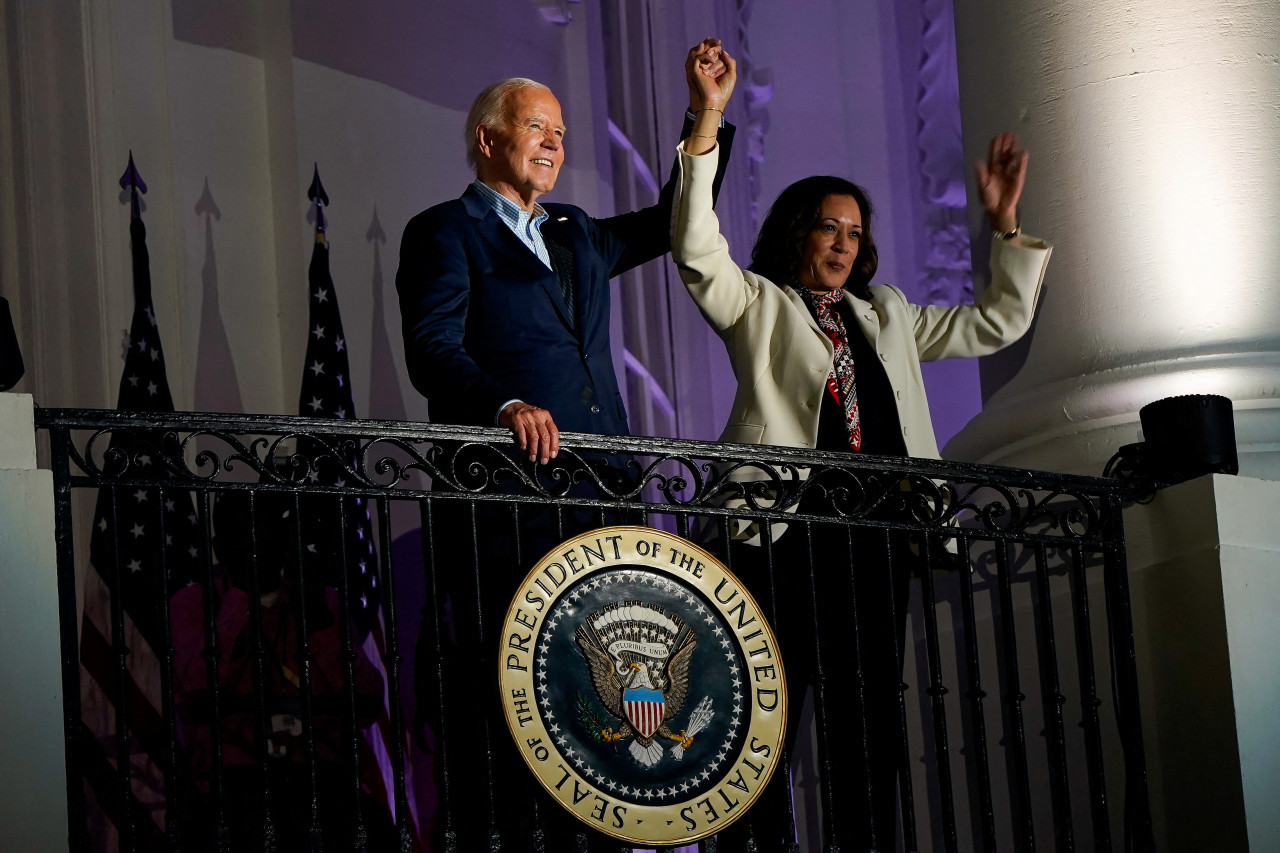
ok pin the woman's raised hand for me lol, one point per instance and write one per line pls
(1000, 180)
(711, 74)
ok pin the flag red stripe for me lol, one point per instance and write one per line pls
(104, 782)
(145, 722)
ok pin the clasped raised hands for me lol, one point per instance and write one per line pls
(711, 74)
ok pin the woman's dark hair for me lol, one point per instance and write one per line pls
(780, 246)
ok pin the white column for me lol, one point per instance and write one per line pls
(1204, 562)
(1154, 130)
(33, 784)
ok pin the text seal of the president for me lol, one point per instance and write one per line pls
(642, 685)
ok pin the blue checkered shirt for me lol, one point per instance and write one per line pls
(526, 226)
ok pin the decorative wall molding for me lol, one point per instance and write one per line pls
(757, 85)
(945, 274)
(555, 11)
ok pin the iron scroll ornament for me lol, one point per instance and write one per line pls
(377, 458)
(642, 685)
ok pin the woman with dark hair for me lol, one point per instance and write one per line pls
(803, 322)
(826, 360)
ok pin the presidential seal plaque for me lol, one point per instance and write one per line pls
(642, 685)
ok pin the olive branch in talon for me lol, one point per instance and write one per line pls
(594, 721)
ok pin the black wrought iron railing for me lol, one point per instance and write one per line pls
(957, 637)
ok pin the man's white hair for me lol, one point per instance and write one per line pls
(490, 109)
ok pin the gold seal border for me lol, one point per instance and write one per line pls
(737, 789)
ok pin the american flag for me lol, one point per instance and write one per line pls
(326, 392)
(145, 544)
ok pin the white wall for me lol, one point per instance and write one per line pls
(33, 786)
(1205, 564)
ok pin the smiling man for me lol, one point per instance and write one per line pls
(505, 310)
(505, 301)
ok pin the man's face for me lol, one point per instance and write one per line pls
(522, 158)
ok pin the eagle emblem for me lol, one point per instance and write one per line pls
(639, 657)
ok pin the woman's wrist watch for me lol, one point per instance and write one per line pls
(997, 234)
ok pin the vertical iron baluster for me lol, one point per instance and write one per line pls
(860, 692)
(1089, 704)
(539, 841)
(360, 841)
(482, 639)
(392, 664)
(172, 800)
(682, 525)
(905, 791)
(937, 690)
(212, 652)
(72, 722)
(1137, 807)
(1020, 783)
(726, 542)
(974, 694)
(784, 758)
(124, 828)
(433, 608)
(825, 774)
(260, 715)
(1053, 699)
(305, 660)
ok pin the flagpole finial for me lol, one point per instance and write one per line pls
(132, 181)
(318, 197)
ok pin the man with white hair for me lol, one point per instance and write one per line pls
(505, 310)
(505, 301)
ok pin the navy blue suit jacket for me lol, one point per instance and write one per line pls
(485, 321)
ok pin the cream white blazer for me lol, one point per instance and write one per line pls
(780, 357)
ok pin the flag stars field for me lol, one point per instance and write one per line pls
(127, 555)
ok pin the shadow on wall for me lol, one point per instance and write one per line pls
(216, 387)
(386, 402)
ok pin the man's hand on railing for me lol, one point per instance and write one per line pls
(534, 430)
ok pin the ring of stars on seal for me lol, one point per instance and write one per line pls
(642, 685)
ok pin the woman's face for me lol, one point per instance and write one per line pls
(832, 245)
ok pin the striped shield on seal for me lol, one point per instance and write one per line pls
(644, 709)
